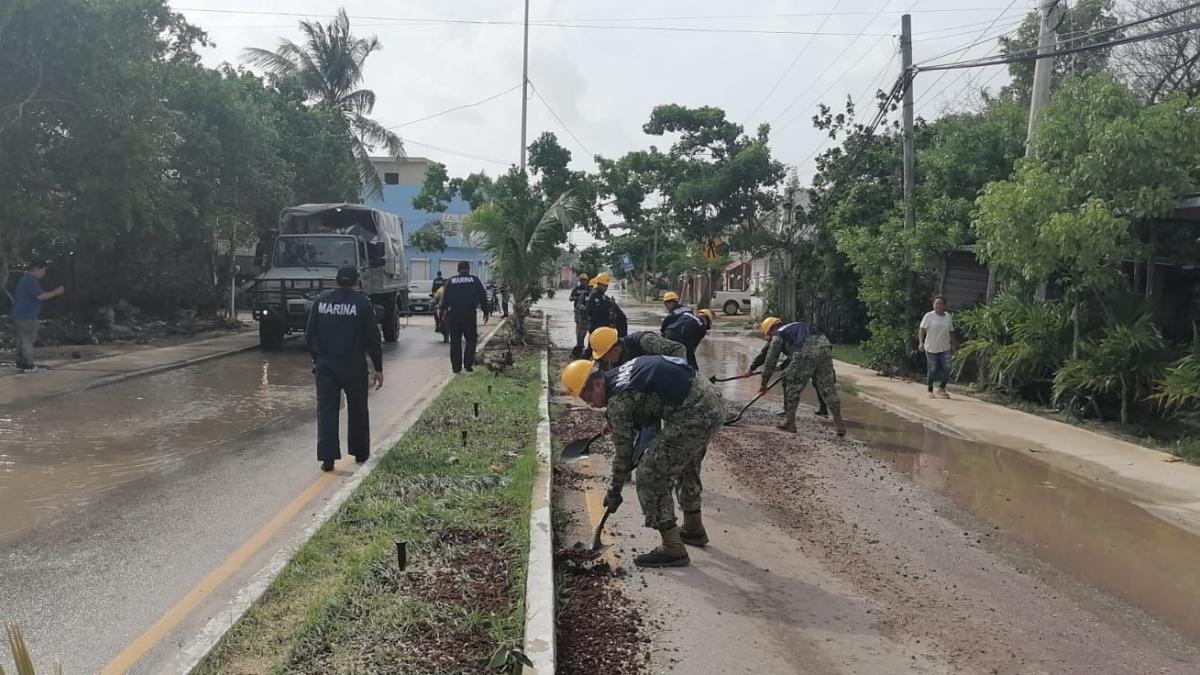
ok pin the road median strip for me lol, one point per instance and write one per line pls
(422, 569)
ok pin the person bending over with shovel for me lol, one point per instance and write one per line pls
(610, 350)
(643, 391)
(811, 358)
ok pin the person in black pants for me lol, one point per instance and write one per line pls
(462, 296)
(342, 332)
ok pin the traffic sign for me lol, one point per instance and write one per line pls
(627, 262)
(712, 249)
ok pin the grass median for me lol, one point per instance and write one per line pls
(343, 605)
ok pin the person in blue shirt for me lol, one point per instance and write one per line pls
(27, 304)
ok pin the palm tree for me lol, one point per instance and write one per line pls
(329, 66)
(523, 238)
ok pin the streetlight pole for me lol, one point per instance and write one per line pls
(525, 88)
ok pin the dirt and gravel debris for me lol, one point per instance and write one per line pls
(600, 629)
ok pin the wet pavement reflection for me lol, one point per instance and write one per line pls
(1097, 534)
(65, 452)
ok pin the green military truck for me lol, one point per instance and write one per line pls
(300, 260)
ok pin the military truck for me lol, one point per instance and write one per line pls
(300, 260)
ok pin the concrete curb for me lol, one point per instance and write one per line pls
(190, 654)
(540, 598)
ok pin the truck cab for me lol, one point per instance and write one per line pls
(301, 259)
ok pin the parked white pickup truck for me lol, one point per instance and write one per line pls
(732, 302)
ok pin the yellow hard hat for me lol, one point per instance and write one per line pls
(603, 279)
(708, 314)
(669, 296)
(592, 283)
(576, 374)
(602, 339)
(769, 323)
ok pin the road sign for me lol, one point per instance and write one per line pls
(626, 262)
(712, 249)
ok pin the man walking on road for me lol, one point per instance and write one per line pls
(611, 350)
(27, 305)
(463, 295)
(639, 393)
(342, 332)
(811, 359)
(578, 298)
(933, 338)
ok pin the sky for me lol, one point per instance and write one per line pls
(598, 72)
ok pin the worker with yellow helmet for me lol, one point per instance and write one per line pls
(811, 358)
(602, 310)
(609, 349)
(579, 296)
(684, 326)
(649, 389)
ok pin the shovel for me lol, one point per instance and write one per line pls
(735, 418)
(581, 446)
(597, 547)
(714, 379)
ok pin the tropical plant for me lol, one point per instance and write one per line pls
(1124, 363)
(329, 67)
(428, 239)
(1180, 386)
(523, 238)
(20, 653)
(1014, 344)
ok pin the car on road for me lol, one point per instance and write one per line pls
(732, 302)
(420, 296)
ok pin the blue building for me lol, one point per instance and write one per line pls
(402, 179)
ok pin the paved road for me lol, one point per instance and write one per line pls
(120, 501)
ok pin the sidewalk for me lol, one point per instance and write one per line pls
(66, 379)
(1169, 489)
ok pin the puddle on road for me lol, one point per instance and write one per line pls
(65, 452)
(1096, 534)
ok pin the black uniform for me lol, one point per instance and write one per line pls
(760, 360)
(620, 321)
(462, 297)
(342, 332)
(671, 317)
(579, 298)
(437, 283)
(688, 330)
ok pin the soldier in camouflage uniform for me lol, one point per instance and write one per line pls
(643, 391)
(578, 300)
(811, 359)
(610, 350)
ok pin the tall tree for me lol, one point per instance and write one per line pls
(329, 66)
(1157, 68)
(1074, 26)
(712, 180)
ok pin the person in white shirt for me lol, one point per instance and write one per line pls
(933, 338)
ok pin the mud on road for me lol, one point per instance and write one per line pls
(937, 576)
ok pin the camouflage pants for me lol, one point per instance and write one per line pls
(813, 362)
(672, 462)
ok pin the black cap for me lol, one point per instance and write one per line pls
(347, 276)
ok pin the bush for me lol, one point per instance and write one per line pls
(1014, 344)
(1180, 387)
(1123, 364)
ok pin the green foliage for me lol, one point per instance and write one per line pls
(592, 261)
(328, 65)
(1180, 386)
(1084, 16)
(1123, 363)
(1014, 344)
(428, 239)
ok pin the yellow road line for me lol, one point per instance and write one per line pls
(594, 501)
(153, 635)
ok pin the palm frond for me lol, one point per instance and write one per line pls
(374, 134)
(359, 101)
(275, 63)
(367, 175)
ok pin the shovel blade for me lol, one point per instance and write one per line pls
(578, 448)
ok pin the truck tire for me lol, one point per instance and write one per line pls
(270, 334)
(391, 320)
(730, 307)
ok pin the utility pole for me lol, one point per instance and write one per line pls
(1043, 69)
(525, 88)
(910, 208)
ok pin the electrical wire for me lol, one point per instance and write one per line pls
(457, 108)
(560, 120)
(862, 97)
(836, 59)
(978, 41)
(788, 70)
(482, 158)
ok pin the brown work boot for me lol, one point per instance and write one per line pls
(692, 533)
(839, 424)
(672, 553)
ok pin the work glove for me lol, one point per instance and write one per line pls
(613, 498)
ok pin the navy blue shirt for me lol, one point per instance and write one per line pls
(687, 329)
(795, 333)
(342, 332)
(26, 304)
(463, 294)
(667, 377)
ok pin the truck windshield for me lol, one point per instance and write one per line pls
(315, 252)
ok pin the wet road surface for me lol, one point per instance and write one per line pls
(119, 500)
(1061, 519)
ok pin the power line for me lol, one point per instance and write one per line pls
(837, 58)
(560, 121)
(1032, 55)
(792, 65)
(836, 82)
(978, 40)
(457, 107)
(482, 158)
(874, 86)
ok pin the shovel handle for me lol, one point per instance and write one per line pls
(600, 529)
(753, 401)
(742, 376)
